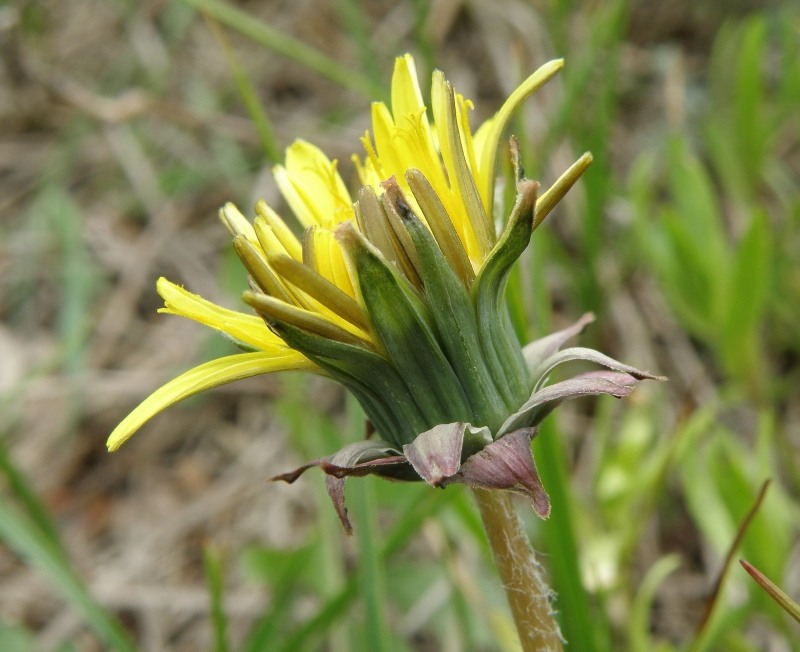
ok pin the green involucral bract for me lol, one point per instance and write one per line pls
(371, 378)
(500, 345)
(403, 325)
(454, 318)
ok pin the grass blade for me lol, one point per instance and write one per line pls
(257, 112)
(372, 578)
(639, 623)
(271, 38)
(404, 528)
(715, 592)
(789, 605)
(22, 491)
(36, 548)
(355, 24)
(214, 569)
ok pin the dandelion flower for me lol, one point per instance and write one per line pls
(398, 295)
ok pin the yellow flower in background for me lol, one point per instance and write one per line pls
(399, 296)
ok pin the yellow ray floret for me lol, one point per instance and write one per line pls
(206, 376)
(246, 328)
(312, 186)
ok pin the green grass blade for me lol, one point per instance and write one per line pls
(22, 490)
(748, 293)
(285, 567)
(406, 526)
(716, 591)
(639, 623)
(271, 38)
(749, 95)
(66, 220)
(214, 569)
(36, 548)
(355, 25)
(247, 91)
(372, 578)
(16, 638)
(788, 605)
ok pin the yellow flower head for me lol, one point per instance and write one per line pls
(398, 295)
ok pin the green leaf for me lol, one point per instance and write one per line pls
(769, 539)
(748, 290)
(705, 504)
(697, 209)
(748, 127)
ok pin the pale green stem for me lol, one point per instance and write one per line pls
(528, 594)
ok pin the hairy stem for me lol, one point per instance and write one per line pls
(528, 594)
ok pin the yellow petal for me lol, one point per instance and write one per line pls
(255, 263)
(462, 177)
(415, 146)
(328, 260)
(323, 321)
(372, 172)
(383, 131)
(451, 147)
(312, 186)
(411, 120)
(316, 286)
(249, 329)
(463, 107)
(206, 376)
(406, 94)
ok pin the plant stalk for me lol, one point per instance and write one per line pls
(527, 592)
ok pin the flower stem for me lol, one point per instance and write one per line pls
(523, 579)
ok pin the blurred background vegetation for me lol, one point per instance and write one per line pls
(125, 125)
